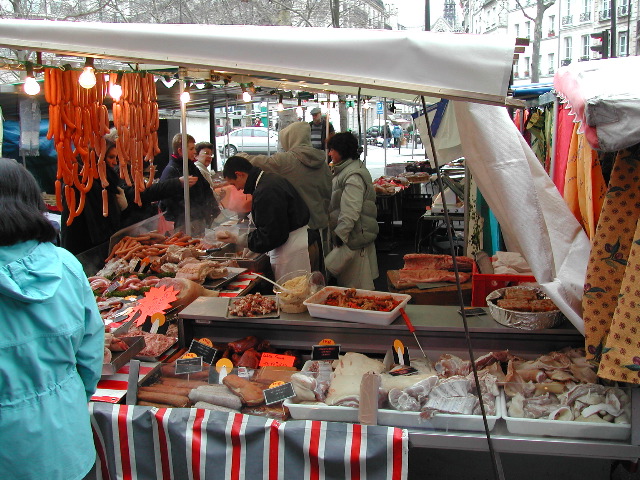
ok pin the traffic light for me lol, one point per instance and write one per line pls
(603, 48)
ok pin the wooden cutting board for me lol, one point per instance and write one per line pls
(443, 295)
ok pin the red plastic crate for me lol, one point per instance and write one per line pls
(483, 284)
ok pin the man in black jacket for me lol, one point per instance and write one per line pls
(279, 215)
(204, 207)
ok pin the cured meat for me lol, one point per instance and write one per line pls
(408, 278)
(216, 395)
(187, 290)
(249, 359)
(154, 343)
(425, 261)
(198, 271)
(240, 346)
(249, 392)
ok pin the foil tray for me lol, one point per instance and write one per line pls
(522, 320)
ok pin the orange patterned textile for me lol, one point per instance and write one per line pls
(611, 301)
(584, 188)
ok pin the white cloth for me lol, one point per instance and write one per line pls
(534, 218)
(292, 255)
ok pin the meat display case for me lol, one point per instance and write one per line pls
(440, 330)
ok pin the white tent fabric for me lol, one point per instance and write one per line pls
(473, 67)
(535, 220)
(605, 97)
(446, 139)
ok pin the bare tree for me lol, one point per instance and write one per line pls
(541, 7)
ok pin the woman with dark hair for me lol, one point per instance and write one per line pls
(52, 343)
(352, 216)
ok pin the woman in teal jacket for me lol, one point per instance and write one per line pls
(51, 342)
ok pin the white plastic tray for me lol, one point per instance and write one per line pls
(559, 428)
(395, 418)
(318, 309)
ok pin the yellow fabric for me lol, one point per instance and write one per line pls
(612, 269)
(584, 189)
(621, 355)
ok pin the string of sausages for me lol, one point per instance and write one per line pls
(78, 121)
(135, 116)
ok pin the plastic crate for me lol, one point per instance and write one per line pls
(483, 284)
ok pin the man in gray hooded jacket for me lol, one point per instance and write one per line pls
(306, 169)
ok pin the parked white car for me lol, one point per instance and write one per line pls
(248, 139)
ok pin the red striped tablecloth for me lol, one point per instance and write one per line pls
(194, 444)
(112, 388)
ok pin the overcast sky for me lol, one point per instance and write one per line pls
(411, 12)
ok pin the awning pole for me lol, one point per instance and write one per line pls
(185, 159)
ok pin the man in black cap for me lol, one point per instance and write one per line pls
(319, 129)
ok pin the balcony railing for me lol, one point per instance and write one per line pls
(568, 20)
(623, 10)
(605, 14)
(585, 17)
(583, 58)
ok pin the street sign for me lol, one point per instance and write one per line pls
(380, 108)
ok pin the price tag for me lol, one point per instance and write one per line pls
(400, 353)
(200, 349)
(404, 370)
(325, 352)
(243, 372)
(157, 319)
(112, 287)
(276, 360)
(278, 393)
(188, 365)
(326, 341)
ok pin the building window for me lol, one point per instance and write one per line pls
(568, 7)
(517, 27)
(527, 26)
(551, 62)
(623, 43)
(585, 46)
(527, 64)
(568, 45)
(552, 25)
(516, 73)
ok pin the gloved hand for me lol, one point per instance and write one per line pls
(226, 236)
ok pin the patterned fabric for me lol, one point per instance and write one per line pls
(611, 296)
(584, 187)
(188, 443)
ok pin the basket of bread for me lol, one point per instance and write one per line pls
(526, 308)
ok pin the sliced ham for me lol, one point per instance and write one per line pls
(407, 278)
(425, 261)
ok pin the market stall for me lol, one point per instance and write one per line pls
(472, 69)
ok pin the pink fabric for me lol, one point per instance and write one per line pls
(567, 86)
(564, 131)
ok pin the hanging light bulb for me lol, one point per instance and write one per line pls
(87, 78)
(280, 104)
(31, 85)
(246, 96)
(299, 111)
(185, 96)
(115, 90)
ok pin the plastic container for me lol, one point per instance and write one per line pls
(316, 307)
(292, 302)
(567, 429)
(395, 418)
(483, 284)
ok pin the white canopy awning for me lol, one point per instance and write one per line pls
(456, 66)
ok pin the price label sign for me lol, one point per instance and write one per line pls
(325, 352)
(400, 353)
(206, 352)
(279, 393)
(276, 360)
(188, 365)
